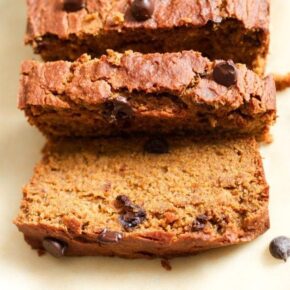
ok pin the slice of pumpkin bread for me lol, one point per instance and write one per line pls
(229, 29)
(144, 197)
(146, 93)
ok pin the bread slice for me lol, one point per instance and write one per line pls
(229, 29)
(144, 198)
(152, 93)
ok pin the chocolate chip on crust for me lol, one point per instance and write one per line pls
(55, 247)
(109, 237)
(225, 73)
(142, 9)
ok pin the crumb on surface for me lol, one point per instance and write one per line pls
(166, 264)
(41, 252)
(282, 82)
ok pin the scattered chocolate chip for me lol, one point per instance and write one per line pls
(131, 220)
(42, 44)
(55, 247)
(118, 109)
(280, 248)
(225, 73)
(109, 237)
(157, 145)
(122, 109)
(123, 201)
(253, 38)
(142, 9)
(131, 215)
(73, 5)
(199, 223)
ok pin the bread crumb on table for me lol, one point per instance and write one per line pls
(166, 265)
(282, 82)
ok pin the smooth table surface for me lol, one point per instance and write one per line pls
(236, 268)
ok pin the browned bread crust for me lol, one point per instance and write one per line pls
(229, 29)
(161, 93)
(200, 195)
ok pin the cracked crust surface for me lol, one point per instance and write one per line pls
(175, 25)
(47, 16)
(72, 194)
(171, 92)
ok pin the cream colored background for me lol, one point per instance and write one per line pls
(237, 268)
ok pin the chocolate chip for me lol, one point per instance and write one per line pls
(109, 237)
(225, 73)
(142, 9)
(131, 215)
(123, 201)
(132, 219)
(118, 109)
(55, 247)
(280, 248)
(73, 5)
(199, 223)
(122, 109)
(42, 44)
(220, 222)
(156, 145)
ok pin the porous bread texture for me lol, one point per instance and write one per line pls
(72, 196)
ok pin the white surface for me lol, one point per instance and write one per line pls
(242, 267)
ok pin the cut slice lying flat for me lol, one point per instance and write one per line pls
(113, 197)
